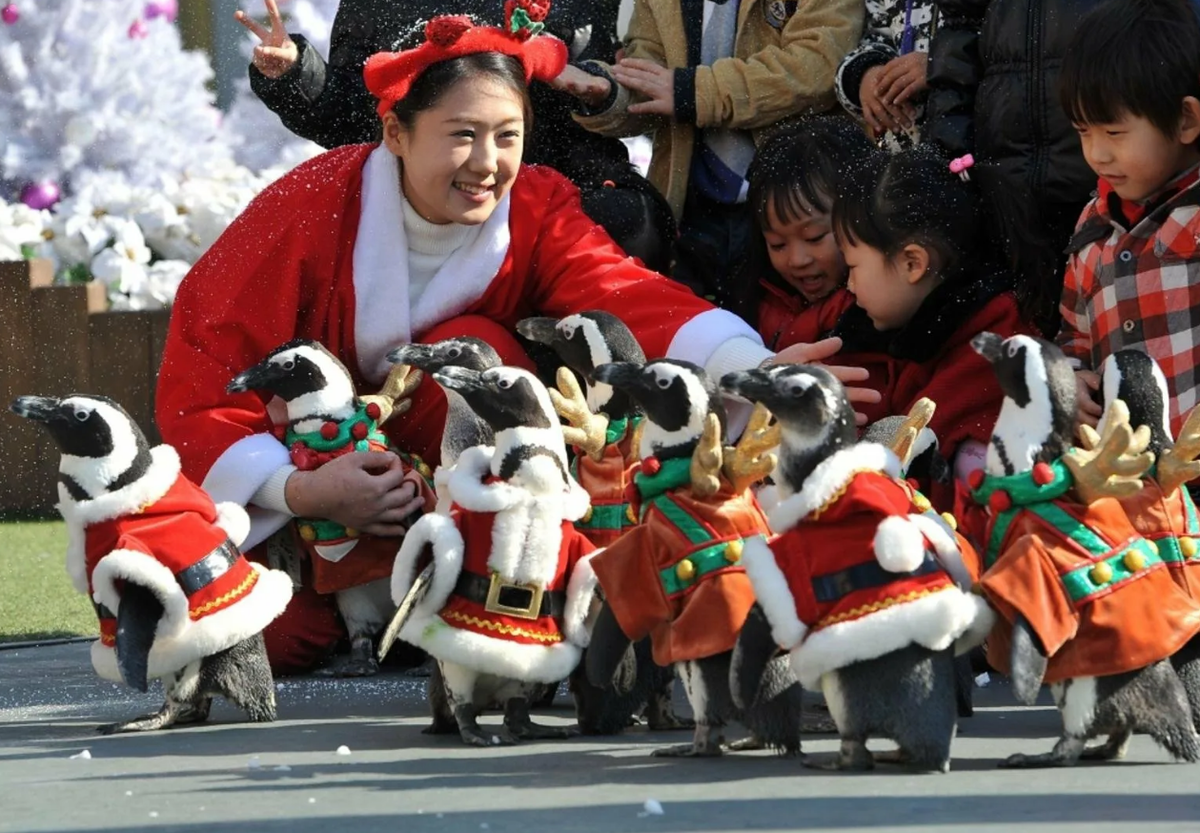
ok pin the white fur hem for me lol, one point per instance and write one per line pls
(233, 519)
(829, 477)
(144, 570)
(899, 544)
(486, 655)
(771, 592)
(581, 589)
(215, 632)
(240, 472)
(934, 621)
(439, 533)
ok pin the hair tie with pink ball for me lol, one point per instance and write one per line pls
(961, 165)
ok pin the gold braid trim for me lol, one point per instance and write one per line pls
(497, 627)
(836, 496)
(221, 601)
(875, 607)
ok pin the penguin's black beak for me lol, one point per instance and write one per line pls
(459, 379)
(263, 376)
(38, 408)
(625, 376)
(753, 385)
(539, 330)
(420, 356)
(988, 345)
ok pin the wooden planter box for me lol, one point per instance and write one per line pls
(57, 340)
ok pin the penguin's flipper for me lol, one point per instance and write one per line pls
(1028, 662)
(416, 593)
(137, 623)
(607, 649)
(753, 652)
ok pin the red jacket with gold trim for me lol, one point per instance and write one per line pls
(861, 568)
(607, 483)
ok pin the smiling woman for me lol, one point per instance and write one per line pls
(438, 231)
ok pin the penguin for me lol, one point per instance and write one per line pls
(891, 676)
(1136, 379)
(680, 402)
(583, 342)
(318, 390)
(464, 428)
(176, 600)
(513, 505)
(1035, 428)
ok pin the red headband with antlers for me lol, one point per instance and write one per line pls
(390, 75)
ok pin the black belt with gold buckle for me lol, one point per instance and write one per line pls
(524, 601)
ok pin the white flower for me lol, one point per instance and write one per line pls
(78, 236)
(21, 231)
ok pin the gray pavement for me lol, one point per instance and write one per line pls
(288, 777)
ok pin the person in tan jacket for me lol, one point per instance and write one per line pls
(706, 77)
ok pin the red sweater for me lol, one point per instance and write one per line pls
(785, 318)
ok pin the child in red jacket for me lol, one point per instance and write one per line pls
(931, 265)
(792, 287)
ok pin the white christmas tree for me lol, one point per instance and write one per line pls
(101, 86)
(259, 139)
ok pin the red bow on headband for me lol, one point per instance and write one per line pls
(390, 75)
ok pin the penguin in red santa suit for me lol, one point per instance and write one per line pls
(504, 602)
(175, 598)
(859, 583)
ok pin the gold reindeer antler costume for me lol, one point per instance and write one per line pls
(585, 429)
(1178, 465)
(743, 464)
(393, 397)
(707, 459)
(905, 438)
(1111, 464)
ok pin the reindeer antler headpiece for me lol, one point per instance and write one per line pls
(390, 75)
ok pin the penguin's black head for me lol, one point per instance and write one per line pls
(1138, 381)
(90, 427)
(808, 401)
(1036, 378)
(293, 370)
(503, 397)
(462, 351)
(676, 396)
(586, 340)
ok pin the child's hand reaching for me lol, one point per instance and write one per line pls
(1086, 385)
(824, 349)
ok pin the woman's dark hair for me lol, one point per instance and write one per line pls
(967, 226)
(1136, 57)
(436, 81)
(796, 171)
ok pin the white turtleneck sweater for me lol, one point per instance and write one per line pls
(429, 246)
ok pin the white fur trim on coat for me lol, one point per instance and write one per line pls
(232, 518)
(487, 655)
(581, 589)
(945, 545)
(899, 544)
(934, 621)
(772, 593)
(830, 476)
(440, 534)
(240, 472)
(215, 632)
(147, 571)
(468, 490)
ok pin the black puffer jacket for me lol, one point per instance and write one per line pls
(993, 78)
(328, 102)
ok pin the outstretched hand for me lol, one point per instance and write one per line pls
(277, 52)
(588, 88)
(815, 353)
(367, 491)
(654, 82)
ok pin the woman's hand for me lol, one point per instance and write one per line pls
(814, 353)
(654, 82)
(902, 78)
(878, 114)
(365, 491)
(588, 88)
(277, 52)
(1089, 411)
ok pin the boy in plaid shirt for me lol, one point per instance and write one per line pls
(1131, 85)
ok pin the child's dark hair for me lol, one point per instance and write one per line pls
(1132, 57)
(892, 201)
(630, 209)
(796, 171)
(438, 79)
